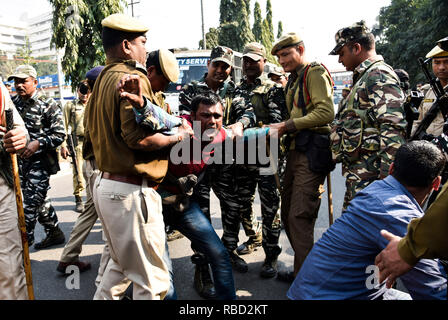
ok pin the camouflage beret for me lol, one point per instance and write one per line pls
(23, 71)
(288, 40)
(437, 52)
(122, 22)
(347, 34)
(277, 71)
(169, 65)
(221, 53)
(255, 51)
(443, 43)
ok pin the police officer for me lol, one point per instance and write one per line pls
(345, 92)
(132, 162)
(43, 120)
(12, 274)
(309, 99)
(237, 117)
(73, 120)
(268, 101)
(372, 126)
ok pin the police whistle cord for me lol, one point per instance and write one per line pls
(20, 212)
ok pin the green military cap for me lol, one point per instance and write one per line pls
(122, 22)
(169, 65)
(255, 51)
(437, 52)
(221, 53)
(277, 71)
(347, 34)
(443, 43)
(288, 40)
(23, 71)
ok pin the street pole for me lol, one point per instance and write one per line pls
(60, 78)
(204, 43)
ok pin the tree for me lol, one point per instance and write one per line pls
(409, 29)
(211, 38)
(279, 30)
(269, 25)
(24, 53)
(257, 29)
(77, 29)
(7, 66)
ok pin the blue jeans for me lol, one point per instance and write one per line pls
(194, 225)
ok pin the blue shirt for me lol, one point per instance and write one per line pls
(338, 265)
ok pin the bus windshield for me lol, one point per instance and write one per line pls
(191, 68)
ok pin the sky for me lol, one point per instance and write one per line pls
(177, 23)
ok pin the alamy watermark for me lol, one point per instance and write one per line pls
(73, 278)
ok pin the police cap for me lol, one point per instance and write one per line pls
(348, 34)
(125, 23)
(23, 71)
(437, 52)
(169, 65)
(255, 51)
(288, 40)
(221, 53)
(443, 43)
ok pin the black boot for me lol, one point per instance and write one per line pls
(269, 268)
(79, 204)
(238, 263)
(203, 282)
(54, 237)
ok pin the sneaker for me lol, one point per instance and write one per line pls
(238, 263)
(203, 282)
(286, 276)
(54, 237)
(82, 266)
(174, 235)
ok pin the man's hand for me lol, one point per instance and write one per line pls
(277, 130)
(389, 262)
(185, 131)
(14, 140)
(130, 88)
(237, 129)
(30, 149)
(64, 152)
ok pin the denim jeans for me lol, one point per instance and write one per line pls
(194, 225)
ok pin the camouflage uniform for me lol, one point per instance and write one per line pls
(73, 120)
(222, 177)
(268, 101)
(371, 128)
(43, 120)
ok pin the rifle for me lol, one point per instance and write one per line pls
(20, 212)
(71, 144)
(441, 103)
(411, 105)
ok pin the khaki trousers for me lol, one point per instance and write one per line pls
(79, 180)
(300, 204)
(86, 218)
(12, 274)
(132, 221)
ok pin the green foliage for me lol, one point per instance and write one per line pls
(257, 29)
(77, 28)
(25, 52)
(409, 29)
(211, 38)
(279, 29)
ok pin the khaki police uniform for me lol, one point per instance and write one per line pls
(129, 207)
(12, 274)
(436, 126)
(302, 188)
(73, 120)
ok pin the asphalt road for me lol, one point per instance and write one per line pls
(51, 285)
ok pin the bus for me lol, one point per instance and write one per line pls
(193, 66)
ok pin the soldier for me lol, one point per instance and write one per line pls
(309, 99)
(372, 126)
(132, 164)
(268, 101)
(237, 117)
(88, 216)
(73, 120)
(278, 75)
(43, 120)
(345, 92)
(12, 274)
